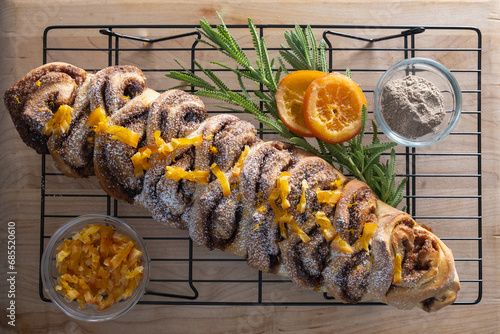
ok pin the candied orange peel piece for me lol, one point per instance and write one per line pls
(398, 270)
(341, 245)
(275, 193)
(330, 197)
(239, 164)
(331, 234)
(166, 148)
(98, 121)
(59, 123)
(325, 225)
(284, 188)
(368, 231)
(140, 159)
(287, 219)
(301, 207)
(98, 266)
(124, 135)
(177, 173)
(226, 188)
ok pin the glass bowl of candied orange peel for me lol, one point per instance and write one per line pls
(95, 267)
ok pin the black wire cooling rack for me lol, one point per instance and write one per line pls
(444, 180)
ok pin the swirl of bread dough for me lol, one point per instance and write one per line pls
(286, 211)
(34, 99)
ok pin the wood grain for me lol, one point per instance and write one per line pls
(22, 24)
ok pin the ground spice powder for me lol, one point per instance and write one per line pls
(412, 106)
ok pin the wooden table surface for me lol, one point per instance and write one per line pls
(22, 26)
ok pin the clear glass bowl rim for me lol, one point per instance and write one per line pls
(57, 298)
(446, 74)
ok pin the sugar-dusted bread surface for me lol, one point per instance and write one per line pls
(355, 247)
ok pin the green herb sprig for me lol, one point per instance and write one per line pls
(303, 52)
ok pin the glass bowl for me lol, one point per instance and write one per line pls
(49, 272)
(438, 75)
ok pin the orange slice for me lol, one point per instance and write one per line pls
(290, 97)
(332, 108)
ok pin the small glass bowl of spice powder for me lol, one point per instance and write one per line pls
(417, 102)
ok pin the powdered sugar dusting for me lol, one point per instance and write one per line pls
(242, 222)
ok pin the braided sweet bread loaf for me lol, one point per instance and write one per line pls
(287, 212)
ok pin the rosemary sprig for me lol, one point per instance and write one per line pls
(303, 52)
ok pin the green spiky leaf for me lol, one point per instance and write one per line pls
(302, 52)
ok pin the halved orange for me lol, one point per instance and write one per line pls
(332, 108)
(290, 97)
